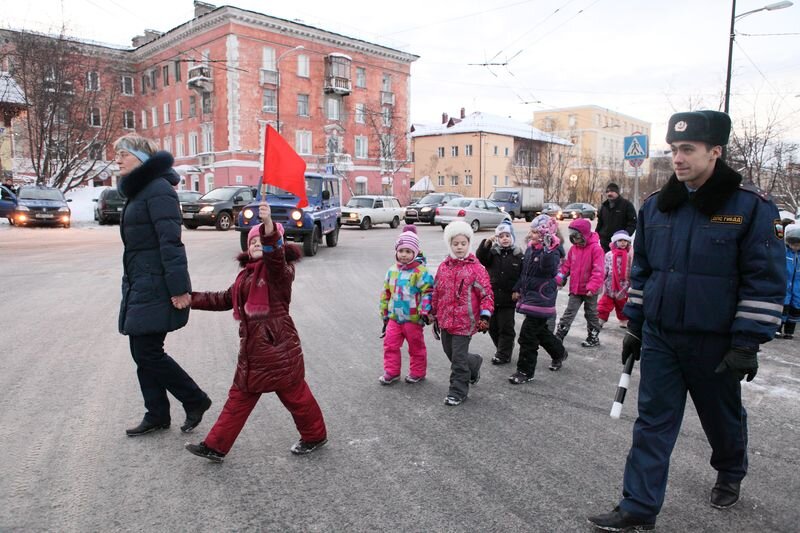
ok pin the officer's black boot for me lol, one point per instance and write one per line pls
(592, 339)
(619, 520)
(725, 494)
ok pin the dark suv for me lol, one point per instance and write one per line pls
(219, 207)
(109, 207)
(424, 209)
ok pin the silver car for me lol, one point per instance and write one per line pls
(477, 212)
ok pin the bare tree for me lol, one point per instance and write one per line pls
(543, 164)
(71, 95)
(388, 133)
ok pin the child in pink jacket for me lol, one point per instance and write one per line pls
(584, 266)
(462, 305)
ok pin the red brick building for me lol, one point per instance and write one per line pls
(206, 89)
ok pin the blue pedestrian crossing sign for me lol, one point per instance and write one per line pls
(635, 147)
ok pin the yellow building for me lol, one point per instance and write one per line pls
(474, 154)
(598, 134)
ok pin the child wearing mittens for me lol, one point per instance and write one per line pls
(462, 305)
(618, 262)
(270, 356)
(405, 306)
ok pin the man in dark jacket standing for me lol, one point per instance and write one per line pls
(155, 282)
(707, 288)
(616, 213)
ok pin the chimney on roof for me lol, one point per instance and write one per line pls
(201, 8)
(149, 36)
(445, 118)
(463, 113)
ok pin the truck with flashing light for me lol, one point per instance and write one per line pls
(321, 218)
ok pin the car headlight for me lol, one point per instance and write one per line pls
(353, 215)
(248, 214)
(296, 215)
(424, 209)
(207, 209)
(63, 209)
(22, 208)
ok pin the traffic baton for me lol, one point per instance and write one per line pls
(622, 388)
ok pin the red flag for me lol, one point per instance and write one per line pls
(283, 167)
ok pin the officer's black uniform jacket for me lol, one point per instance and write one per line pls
(709, 264)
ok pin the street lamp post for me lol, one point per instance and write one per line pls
(278, 86)
(734, 18)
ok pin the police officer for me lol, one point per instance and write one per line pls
(707, 286)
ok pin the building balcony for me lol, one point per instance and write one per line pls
(337, 74)
(205, 160)
(200, 78)
(387, 98)
(268, 77)
(338, 85)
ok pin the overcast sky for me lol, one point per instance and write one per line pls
(644, 58)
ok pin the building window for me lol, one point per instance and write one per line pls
(153, 73)
(128, 120)
(144, 84)
(144, 119)
(333, 144)
(468, 179)
(268, 58)
(468, 149)
(176, 67)
(178, 109)
(505, 151)
(208, 138)
(168, 144)
(441, 181)
(495, 150)
(179, 148)
(440, 152)
(387, 117)
(193, 143)
(494, 180)
(96, 152)
(94, 117)
(361, 146)
(165, 76)
(127, 85)
(239, 179)
(505, 180)
(302, 142)
(206, 102)
(192, 106)
(302, 105)
(153, 117)
(302, 66)
(361, 114)
(572, 121)
(454, 151)
(386, 83)
(333, 108)
(165, 119)
(454, 181)
(361, 77)
(93, 81)
(268, 104)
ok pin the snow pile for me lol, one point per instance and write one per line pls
(82, 204)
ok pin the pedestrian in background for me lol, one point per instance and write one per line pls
(462, 305)
(707, 288)
(584, 267)
(155, 282)
(270, 356)
(503, 260)
(791, 303)
(618, 262)
(615, 214)
(405, 306)
(537, 291)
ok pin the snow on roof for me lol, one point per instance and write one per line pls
(10, 92)
(483, 122)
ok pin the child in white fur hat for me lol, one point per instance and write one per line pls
(618, 262)
(463, 304)
(405, 306)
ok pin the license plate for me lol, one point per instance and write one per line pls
(411, 213)
(188, 215)
(43, 215)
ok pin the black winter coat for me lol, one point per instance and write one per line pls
(154, 260)
(612, 219)
(504, 266)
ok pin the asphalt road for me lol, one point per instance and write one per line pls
(536, 457)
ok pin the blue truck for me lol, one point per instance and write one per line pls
(322, 217)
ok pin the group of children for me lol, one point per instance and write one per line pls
(483, 291)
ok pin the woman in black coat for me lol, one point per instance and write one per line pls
(155, 282)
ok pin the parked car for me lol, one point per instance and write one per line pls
(40, 205)
(424, 209)
(366, 211)
(188, 197)
(109, 206)
(477, 212)
(308, 225)
(554, 210)
(8, 203)
(580, 210)
(219, 207)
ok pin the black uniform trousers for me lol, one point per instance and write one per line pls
(501, 330)
(535, 332)
(672, 364)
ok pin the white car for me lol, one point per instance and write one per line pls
(366, 211)
(477, 212)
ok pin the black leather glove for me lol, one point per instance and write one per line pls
(425, 319)
(631, 346)
(437, 331)
(740, 361)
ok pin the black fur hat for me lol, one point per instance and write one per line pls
(711, 127)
